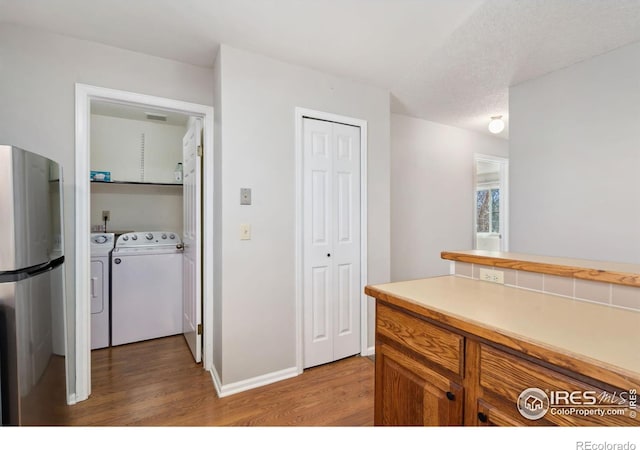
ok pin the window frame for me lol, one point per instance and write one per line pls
(503, 185)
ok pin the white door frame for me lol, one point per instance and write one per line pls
(300, 114)
(84, 95)
(504, 197)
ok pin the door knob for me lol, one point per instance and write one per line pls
(482, 417)
(328, 255)
(451, 396)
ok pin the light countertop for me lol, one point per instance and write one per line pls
(596, 334)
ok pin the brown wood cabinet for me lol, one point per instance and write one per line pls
(429, 372)
(409, 393)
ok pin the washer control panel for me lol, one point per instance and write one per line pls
(148, 239)
(102, 240)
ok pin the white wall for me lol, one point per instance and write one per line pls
(37, 87)
(137, 207)
(259, 96)
(575, 160)
(115, 147)
(432, 193)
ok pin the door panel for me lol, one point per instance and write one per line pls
(409, 393)
(346, 240)
(331, 241)
(192, 257)
(345, 207)
(320, 303)
(317, 230)
(345, 300)
(320, 201)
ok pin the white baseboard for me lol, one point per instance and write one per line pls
(250, 383)
(216, 379)
(370, 351)
(71, 399)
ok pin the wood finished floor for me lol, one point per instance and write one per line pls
(156, 383)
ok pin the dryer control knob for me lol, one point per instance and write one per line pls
(134, 237)
(149, 236)
(172, 236)
(100, 239)
(164, 236)
(125, 238)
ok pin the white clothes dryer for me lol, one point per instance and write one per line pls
(101, 247)
(146, 286)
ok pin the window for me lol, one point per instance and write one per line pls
(490, 203)
(488, 210)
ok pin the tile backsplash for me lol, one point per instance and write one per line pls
(592, 290)
(627, 297)
(530, 280)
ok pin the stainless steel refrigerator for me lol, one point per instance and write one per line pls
(32, 337)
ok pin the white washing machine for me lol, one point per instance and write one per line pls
(146, 286)
(101, 246)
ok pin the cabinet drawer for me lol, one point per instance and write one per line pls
(438, 345)
(507, 376)
(497, 415)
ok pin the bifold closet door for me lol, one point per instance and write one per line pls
(331, 237)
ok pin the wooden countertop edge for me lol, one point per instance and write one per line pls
(606, 276)
(598, 370)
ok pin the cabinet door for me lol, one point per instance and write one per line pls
(409, 393)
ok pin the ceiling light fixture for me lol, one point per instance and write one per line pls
(496, 125)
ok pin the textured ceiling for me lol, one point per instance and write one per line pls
(449, 61)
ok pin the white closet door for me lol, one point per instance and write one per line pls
(331, 236)
(191, 261)
(346, 240)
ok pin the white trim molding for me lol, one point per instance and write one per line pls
(251, 383)
(504, 197)
(300, 114)
(85, 94)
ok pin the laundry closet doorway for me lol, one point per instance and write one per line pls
(192, 139)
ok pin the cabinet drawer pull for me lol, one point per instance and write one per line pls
(451, 396)
(482, 417)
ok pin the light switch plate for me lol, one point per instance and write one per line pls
(493, 276)
(245, 232)
(245, 196)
